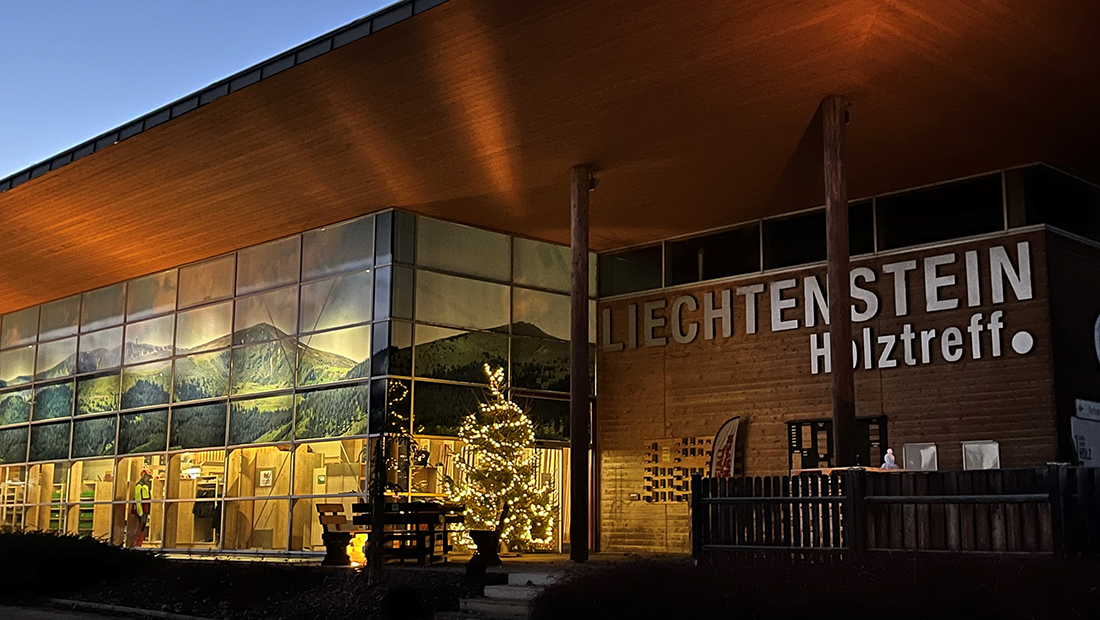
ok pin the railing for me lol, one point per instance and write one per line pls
(854, 512)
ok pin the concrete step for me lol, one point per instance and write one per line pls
(496, 608)
(514, 593)
(532, 579)
(454, 615)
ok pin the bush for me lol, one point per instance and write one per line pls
(41, 564)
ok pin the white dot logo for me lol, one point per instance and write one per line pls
(1022, 343)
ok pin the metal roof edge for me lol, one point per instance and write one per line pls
(295, 56)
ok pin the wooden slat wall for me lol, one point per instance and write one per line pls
(690, 390)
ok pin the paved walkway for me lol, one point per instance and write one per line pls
(34, 613)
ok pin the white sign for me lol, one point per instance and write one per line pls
(1086, 440)
(735, 311)
(1088, 409)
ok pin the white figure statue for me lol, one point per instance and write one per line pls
(890, 462)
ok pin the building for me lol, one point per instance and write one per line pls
(220, 303)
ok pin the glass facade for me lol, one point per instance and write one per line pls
(987, 203)
(210, 407)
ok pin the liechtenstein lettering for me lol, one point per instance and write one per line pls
(730, 311)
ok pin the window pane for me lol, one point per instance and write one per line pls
(199, 474)
(268, 265)
(544, 315)
(192, 525)
(97, 394)
(95, 437)
(540, 364)
(336, 302)
(60, 318)
(19, 328)
(198, 426)
(146, 385)
(263, 367)
(550, 417)
(334, 356)
(103, 307)
(130, 471)
(143, 432)
(149, 340)
(258, 472)
(439, 409)
(49, 442)
(100, 350)
(462, 249)
(266, 317)
(800, 239)
(338, 249)
(56, 359)
(202, 376)
(960, 209)
(630, 271)
(332, 412)
(53, 401)
(204, 329)
(330, 467)
(15, 407)
(391, 349)
(13, 445)
(17, 366)
(1043, 195)
(152, 295)
(260, 420)
(718, 255)
(541, 264)
(258, 525)
(456, 355)
(460, 302)
(207, 281)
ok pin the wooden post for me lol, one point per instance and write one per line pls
(578, 367)
(834, 117)
(697, 517)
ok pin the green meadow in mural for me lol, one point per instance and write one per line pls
(50, 442)
(146, 385)
(332, 412)
(15, 407)
(97, 394)
(143, 432)
(198, 426)
(13, 445)
(53, 401)
(261, 420)
(94, 437)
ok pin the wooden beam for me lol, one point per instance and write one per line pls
(578, 367)
(834, 115)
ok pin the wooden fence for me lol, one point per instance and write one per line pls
(819, 517)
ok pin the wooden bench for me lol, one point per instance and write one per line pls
(337, 534)
(411, 530)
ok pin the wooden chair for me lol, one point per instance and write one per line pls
(337, 534)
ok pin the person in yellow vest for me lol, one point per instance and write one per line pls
(139, 511)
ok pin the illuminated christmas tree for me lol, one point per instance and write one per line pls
(500, 469)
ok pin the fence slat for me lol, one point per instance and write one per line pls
(1012, 485)
(924, 513)
(966, 513)
(953, 520)
(981, 511)
(998, 535)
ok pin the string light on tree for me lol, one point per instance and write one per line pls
(500, 469)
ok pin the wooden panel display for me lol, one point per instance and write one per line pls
(951, 343)
(670, 463)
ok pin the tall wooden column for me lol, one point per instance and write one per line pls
(578, 368)
(834, 118)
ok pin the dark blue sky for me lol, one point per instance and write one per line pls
(72, 69)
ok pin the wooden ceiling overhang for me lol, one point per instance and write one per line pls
(698, 113)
